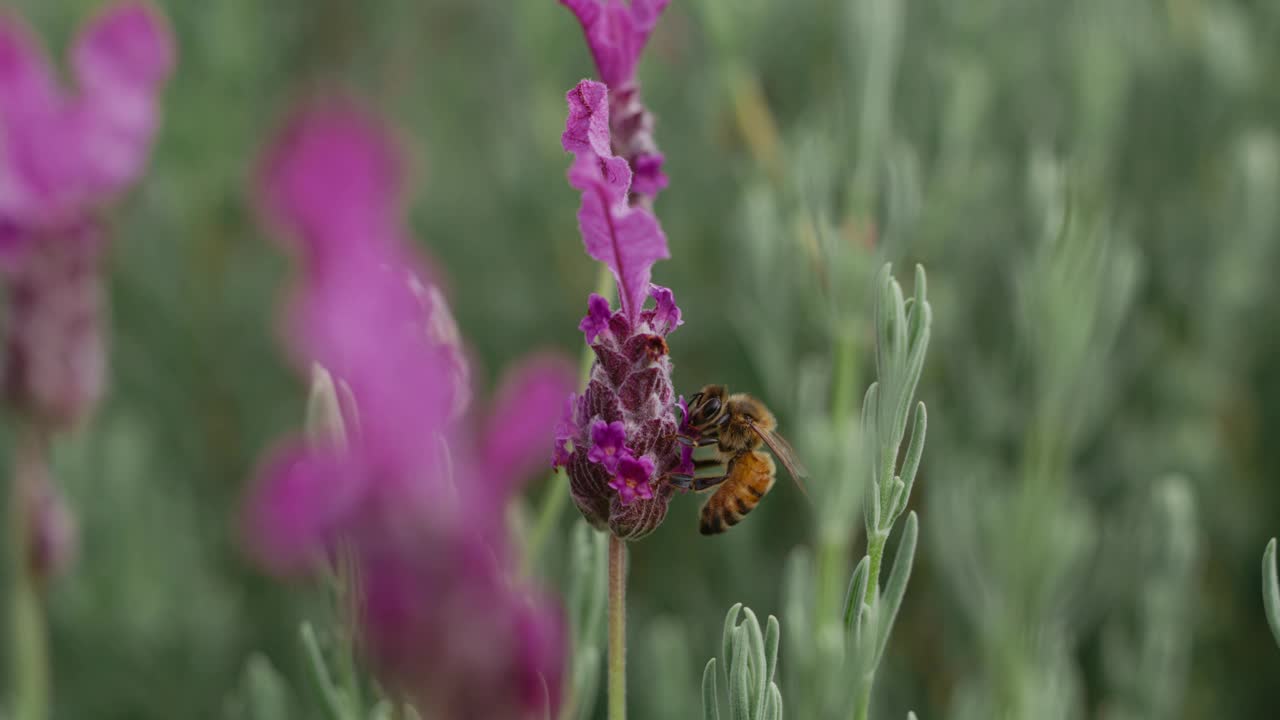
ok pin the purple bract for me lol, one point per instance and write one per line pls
(617, 32)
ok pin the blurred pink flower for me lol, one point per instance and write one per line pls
(416, 494)
(63, 156)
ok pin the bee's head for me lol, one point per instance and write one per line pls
(707, 406)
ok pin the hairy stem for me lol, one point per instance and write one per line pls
(617, 628)
(29, 663)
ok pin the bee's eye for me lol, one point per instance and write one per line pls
(711, 408)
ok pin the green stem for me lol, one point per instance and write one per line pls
(875, 550)
(557, 495)
(833, 542)
(617, 628)
(30, 659)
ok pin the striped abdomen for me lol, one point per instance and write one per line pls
(749, 476)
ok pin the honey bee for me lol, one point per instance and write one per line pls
(737, 425)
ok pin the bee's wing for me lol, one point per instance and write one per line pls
(784, 452)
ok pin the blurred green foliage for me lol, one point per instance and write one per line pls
(1062, 573)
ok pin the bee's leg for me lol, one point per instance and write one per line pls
(696, 484)
(706, 463)
(704, 483)
(697, 442)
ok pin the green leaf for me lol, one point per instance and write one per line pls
(586, 681)
(857, 591)
(726, 647)
(773, 705)
(267, 694)
(740, 677)
(756, 662)
(897, 585)
(333, 701)
(915, 451)
(710, 704)
(1271, 589)
(772, 637)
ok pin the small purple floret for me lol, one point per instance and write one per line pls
(597, 318)
(608, 444)
(632, 479)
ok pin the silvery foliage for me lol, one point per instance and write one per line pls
(750, 660)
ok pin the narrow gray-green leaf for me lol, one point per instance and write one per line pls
(772, 637)
(333, 701)
(740, 690)
(726, 639)
(1271, 589)
(586, 680)
(267, 693)
(710, 703)
(857, 591)
(919, 300)
(896, 587)
(913, 368)
(757, 661)
(870, 404)
(915, 451)
(884, 315)
(773, 704)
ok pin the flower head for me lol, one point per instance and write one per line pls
(416, 496)
(622, 427)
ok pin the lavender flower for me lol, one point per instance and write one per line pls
(418, 500)
(617, 32)
(622, 428)
(62, 156)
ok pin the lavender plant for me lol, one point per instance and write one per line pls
(750, 661)
(1147, 668)
(1072, 294)
(64, 157)
(617, 440)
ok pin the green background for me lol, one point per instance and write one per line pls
(929, 131)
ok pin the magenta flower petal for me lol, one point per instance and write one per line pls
(665, 317)
(616, 33)
(608, 444)
(632, 479)
(120, 60)
(332, 178)
(38, 155)
(302, 497)
(587, 127)
(596, 321)
(627, 239)
(647, 177)
(523, 417)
